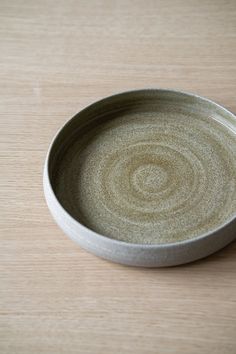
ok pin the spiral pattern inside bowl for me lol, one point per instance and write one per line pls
(154, 176)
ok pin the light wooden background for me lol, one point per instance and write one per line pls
(55, 58)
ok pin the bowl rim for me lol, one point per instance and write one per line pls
(47, 181)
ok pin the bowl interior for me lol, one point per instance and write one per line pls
(149, 167)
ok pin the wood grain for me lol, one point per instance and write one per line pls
(55, 58)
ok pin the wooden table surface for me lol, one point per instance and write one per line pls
(55, 58)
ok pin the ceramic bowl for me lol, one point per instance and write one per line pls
(146, 178)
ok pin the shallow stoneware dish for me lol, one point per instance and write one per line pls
(146, 178)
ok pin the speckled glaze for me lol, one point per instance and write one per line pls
(143, 177)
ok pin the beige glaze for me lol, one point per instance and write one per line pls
(150, 168)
